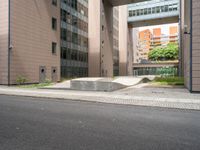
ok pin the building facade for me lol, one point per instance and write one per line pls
(33, 43)
(160, 39)
(46, 41)
(144, 46)
(30, 41)
(173, 34)
(74, 38)
(149, 38)
(190, 20)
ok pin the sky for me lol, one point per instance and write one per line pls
(164, 28)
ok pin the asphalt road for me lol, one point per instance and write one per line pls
(45, 124)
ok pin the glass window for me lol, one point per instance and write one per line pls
(153, 10)
(170, 7)
(162, 8)
(54, 23)
(158, 9)
(138, 12)
(145, 11)
(134, 13)
(64, 34)
(149, 10)
(64, 15)
(54, 2)
(141, 11)
(175, 7)
(54, 47)
(166, 8)
(130, 13)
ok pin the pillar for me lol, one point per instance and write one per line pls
(100, 39)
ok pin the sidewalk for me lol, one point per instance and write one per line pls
(168, 98)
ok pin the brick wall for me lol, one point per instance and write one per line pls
(196, 46)
(3, 41)
(32, 37)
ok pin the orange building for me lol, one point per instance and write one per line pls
(144, 45)
(173, 32)
(156, 39)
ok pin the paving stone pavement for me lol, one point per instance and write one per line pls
(158, 97)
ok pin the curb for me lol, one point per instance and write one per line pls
(126, 100)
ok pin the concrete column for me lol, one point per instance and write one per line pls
(125, 44)
(186, 40)
(100, 38)
(94, 36)
(181, 39)
(106, 39)
(130, 53)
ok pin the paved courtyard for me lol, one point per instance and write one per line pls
(140, 95)
(147, 90)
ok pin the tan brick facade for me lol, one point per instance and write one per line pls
(196, 46)
(32, 36)
(4, 41)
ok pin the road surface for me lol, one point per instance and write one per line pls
(47, 124)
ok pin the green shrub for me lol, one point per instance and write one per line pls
(47, 81)
(21, 80)
(169, 52)
(169, 80)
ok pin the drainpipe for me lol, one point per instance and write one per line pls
(9, 42)
(180, 72)
(191, 46)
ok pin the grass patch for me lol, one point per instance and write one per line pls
(174, 81)
(35, 86)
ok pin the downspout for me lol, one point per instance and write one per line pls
(191, 46)
(9, 41)
(100, 54)
(180, 70)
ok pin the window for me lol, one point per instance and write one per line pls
(54, 47)
(54, 23)
(64, 34)
(138, 12)
(158, 9)
(54, 2)
(145, 11)
(149, 10)
(153, 10)
(134, 13)
(63, 15)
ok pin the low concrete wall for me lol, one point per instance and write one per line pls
(106, 84)
(95, 86)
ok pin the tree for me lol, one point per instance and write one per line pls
(169, 52)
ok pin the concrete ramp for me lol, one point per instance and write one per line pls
(107, 84)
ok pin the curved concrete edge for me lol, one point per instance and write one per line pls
(107, 84)
(131, 81)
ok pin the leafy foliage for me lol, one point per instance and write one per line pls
(21, 80)
(169, 81)
(169, 52)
